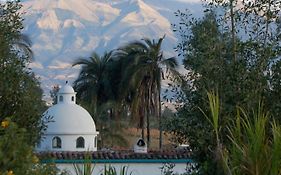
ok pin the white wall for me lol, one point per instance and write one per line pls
(136, 168)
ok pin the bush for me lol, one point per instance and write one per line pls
(16, 154)
(253, 145)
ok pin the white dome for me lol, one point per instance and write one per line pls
(69, 119)
(69, 126)
(66, 89)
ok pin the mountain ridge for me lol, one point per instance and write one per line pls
(63, 30)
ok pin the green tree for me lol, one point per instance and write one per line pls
(145, 76)
(275, 93)
(15, 159)
(97, 90)
(20, 92)
(92, 84)
(234, 52)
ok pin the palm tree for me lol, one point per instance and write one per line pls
(146, 73)
(92, 85)
(96, 89)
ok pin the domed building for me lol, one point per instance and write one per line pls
(71, 135)
(69, 127)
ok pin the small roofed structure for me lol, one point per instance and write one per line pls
(140, 146)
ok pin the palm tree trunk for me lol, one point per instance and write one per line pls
(148, 117)
(141, 122)
(160, 121)
(142, 132)
(142, 114)
(148, 130)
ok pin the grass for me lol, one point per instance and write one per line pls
(254, 146)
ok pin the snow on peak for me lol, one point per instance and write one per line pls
(63, 30)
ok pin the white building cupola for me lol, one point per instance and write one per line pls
(69, 126)
(66, 94)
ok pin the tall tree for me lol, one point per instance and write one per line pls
(20, 92)
(145, 74)
(92, 84)
(97, 90)
(230, 50)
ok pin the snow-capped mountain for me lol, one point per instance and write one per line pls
(63, 30)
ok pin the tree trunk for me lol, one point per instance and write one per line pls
(141, 122)
(233, 32)
(160, 121)
(148, 111)
(148, 130)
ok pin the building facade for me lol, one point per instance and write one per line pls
(70, 140)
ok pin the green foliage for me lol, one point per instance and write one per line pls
(255, 144)
(127, 80)
(144, 76)
(92, 84)
(16, 154)
(214, 110)
(97, 92)
(168, 169)
(275, 93)
(234, 49)
(20, 92)
(86, 168)
(110, 170)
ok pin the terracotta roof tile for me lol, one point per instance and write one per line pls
(109, 155)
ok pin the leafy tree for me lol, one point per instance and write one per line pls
(234, 50)
(20, 92)
(275, 93)
(15, 159)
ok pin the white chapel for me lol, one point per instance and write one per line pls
(70, 127)
(71, 133)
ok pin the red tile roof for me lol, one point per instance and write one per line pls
(115, 155)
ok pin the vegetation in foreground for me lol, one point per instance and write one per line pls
(16, 153)
(234, 49)
(253, 143)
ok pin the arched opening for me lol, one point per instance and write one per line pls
(61, 98)
(56, 142)
(80, 142)
(141, 143)
(72, 98)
